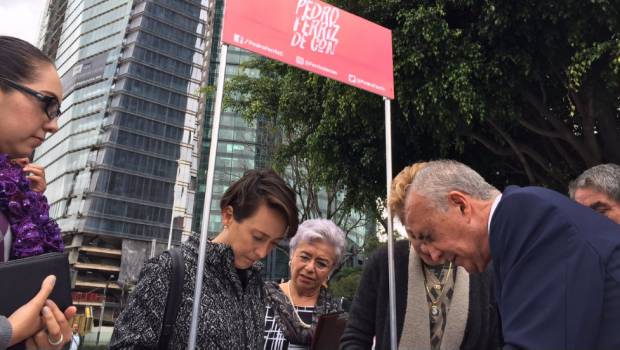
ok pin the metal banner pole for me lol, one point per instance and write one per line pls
(174, 192)
(174, 197)
(215, 127)
(388, 174)
(170, 232)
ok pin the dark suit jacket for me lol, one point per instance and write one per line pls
(557, 272)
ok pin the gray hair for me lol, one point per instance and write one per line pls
(604, 178)
(439, 177)
(320, 230)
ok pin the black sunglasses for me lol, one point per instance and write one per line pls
(51, 106)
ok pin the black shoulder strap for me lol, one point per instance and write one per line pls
(174, 297)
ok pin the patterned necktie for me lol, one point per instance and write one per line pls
(4, 227)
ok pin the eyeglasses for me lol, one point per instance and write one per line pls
(51, 105)
(319, 263)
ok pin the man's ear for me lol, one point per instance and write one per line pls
(460, 201)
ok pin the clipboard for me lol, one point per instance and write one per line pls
(328, 331)
(24, 276)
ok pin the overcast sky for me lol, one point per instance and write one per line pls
(21, 18)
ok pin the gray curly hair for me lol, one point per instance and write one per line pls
(437, 178)
(320, 230)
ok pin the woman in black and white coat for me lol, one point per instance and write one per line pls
(258, 211)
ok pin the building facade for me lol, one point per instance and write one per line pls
(122, 167)
(127, 166)
(51, 26)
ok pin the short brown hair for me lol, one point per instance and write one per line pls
(398, 192)
(262, 186)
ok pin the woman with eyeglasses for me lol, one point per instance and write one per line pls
(294, 307)
(30, 95)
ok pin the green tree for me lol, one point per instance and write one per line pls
(371, 244)
(325, 133)
(524, 92)
(533, 82)
(345, 282)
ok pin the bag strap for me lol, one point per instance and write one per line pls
(173, 300)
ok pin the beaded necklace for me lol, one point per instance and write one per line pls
(290, 297)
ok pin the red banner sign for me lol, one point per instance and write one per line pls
(316, 37)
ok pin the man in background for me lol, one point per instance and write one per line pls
(76, 340)
(599, 188)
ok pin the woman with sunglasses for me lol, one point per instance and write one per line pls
(30, 95)
(294, 307)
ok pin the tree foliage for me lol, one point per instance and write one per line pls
(345, 283)
(523, 91)
(327, 131)
(533, 82)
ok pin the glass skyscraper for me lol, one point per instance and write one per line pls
(122, 166)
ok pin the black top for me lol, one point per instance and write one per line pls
(243, 276)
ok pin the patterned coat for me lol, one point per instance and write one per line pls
(231, 317)
(286, 320)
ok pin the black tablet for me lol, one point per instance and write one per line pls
(21, 280)
(329, 329)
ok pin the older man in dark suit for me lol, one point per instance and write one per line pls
(557, 263)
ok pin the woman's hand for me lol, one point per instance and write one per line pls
(36, 174)
(26, 321)
(57, 331)
(36, 177)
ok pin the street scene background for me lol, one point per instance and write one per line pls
(526, 93)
